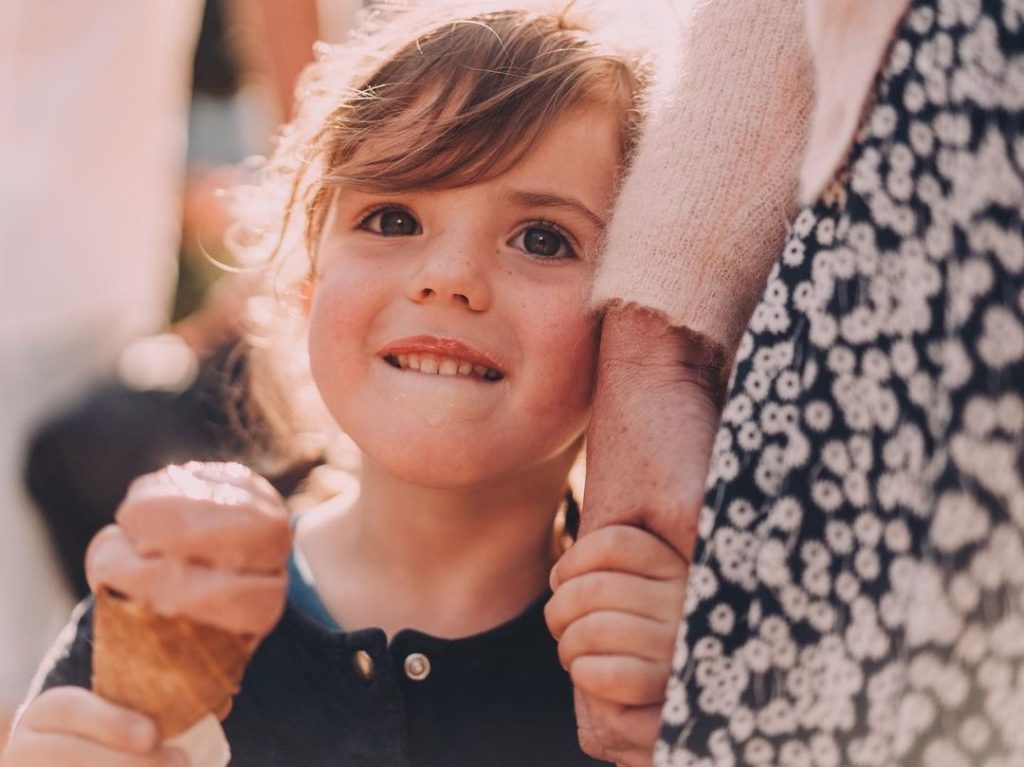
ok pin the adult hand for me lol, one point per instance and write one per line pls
(656, 410)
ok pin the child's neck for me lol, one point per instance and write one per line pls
(450, 563)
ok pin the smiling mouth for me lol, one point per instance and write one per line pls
(433, 364)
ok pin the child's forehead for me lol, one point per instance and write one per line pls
(453, 167)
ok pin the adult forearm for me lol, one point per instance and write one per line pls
(655, 415)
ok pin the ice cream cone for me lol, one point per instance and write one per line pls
(173, 669)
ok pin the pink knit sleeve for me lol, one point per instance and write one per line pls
(705, 207)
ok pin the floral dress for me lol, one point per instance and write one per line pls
(857, 594)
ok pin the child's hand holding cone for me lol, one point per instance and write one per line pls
(187, 582)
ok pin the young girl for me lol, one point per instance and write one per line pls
(454, 196)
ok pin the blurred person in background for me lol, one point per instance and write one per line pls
(93, 143)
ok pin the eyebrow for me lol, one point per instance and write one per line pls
(530, 199)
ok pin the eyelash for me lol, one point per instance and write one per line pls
(543, 223)
(540, 223)
(384, 206)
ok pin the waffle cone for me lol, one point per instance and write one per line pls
(173, 669)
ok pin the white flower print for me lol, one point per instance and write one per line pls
(722, 619)
(771, 567)
(787, 385)
(826, 494)
(818, 415)
(836, 457)
(786, 515)
(839, 536)
(721, 681)
(861, 562)
(867, 564)
(804, 223)
(749, 437)
(959, 521)
(897, 536)
(922, 139)
(758, 751)
(793, 255)
(794, 601)
(736, 550)
(975, 734)
(1002, 341)
(847, 586)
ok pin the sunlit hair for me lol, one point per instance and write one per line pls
(444, 95)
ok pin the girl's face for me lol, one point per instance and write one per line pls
(450, 336)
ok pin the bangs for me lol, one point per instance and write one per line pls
(463, 104)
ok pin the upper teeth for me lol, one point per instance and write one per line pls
(444, 366)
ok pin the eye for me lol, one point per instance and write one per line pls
(391, 222)
(544, 242)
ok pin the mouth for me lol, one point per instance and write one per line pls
(442, 357)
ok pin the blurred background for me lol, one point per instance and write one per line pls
(119, 122)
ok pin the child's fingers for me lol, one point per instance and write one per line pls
(30, 748)
(623, 549)
(208, 513)
(613, 633)
(623, 679)
(633, 594)
(77, 711)
(245, 603)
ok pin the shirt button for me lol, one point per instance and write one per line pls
(417, 667)
(363, 664)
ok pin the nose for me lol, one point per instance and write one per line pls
(451, 274)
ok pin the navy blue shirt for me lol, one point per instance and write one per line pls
(314, 695)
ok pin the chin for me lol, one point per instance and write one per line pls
(439, 472)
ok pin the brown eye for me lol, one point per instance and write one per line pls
(543, 242)
(392, 222)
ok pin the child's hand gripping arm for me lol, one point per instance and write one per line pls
(205, 541)
(619, 593)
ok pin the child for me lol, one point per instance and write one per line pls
(454, 203)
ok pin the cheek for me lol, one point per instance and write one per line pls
(338, 322)
(568, 348)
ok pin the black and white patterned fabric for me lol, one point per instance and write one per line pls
(857, 596)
